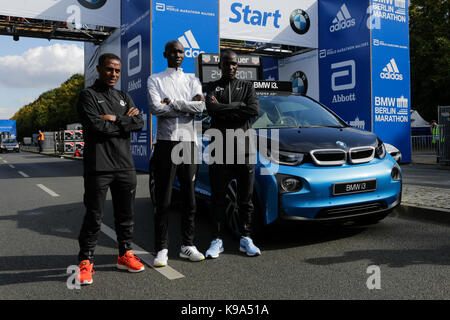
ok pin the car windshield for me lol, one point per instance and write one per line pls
(10, 141)
(293, 111)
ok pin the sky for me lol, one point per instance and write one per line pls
(30, 67)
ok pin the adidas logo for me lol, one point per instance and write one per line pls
(343, 20)
(391, 71)
(190, 44)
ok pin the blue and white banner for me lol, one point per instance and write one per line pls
(135, 55)
(281, 22)
(391, 74)
(195, 23)
(8, 126)
(344, 60)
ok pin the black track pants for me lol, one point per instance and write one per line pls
(123, 192)
(165, 171)
(220, 176)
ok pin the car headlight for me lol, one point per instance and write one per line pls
(380, 151)
(288, 184)
(286, 158)
(396, 173)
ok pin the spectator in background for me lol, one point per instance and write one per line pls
(41, 139)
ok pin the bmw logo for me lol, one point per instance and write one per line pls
(341, 144)
(92, 4)
(300, 22)
(299, 83)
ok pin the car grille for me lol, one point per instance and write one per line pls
(337, 157)
(329, 157)
(350, 210)
(361, 154)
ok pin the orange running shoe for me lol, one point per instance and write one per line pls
(86, 270)
(130, 262)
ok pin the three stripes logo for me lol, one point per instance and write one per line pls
(343, 20)
(391, 71)
(190, 44)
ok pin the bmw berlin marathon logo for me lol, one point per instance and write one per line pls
(299, 83)
(300, 22)
(92, 4)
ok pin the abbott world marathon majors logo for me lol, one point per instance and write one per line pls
(343, 20)
(391, 71)
(190, 44)
(92, 4)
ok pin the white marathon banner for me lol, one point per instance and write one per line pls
(78, 12)
(281, 22)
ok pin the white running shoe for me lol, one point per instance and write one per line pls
(191, 253)
(161, 258)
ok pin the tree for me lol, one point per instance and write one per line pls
(52, 111)
(430, 55)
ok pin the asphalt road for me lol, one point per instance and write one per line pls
(406, 256)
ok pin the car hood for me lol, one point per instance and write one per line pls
(306, 139)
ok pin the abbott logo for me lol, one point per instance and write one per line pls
(349, 75)
(134, 53)
(391, 71)
(190, 44)
(343, 20)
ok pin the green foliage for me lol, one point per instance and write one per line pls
(430, 55)
(52, 110)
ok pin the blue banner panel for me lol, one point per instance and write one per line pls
(344, 60)
(195, 23)
(8, 126)
(391, 74)
(270, 68)
(135, 54)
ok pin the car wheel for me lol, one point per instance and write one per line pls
(232, 209)
(233, 218)
(151, 186)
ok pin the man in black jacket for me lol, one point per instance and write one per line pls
(231, 103)
(108, 116)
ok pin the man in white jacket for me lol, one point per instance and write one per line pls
(175, 98)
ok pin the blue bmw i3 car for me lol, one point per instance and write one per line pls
(324, 169)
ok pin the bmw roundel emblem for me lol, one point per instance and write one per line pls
(300, 22)
(92, 4)
(299, 82)
(341, 144)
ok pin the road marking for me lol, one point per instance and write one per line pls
(23, 174)
(5, 161)
(145, 256)
(11, 166)
(50, 192)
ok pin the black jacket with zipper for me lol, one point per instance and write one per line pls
(107, 145)
(238, 103)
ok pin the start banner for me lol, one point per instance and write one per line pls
(282, 22)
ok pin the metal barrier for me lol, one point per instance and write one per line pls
(422, 144)
(444, 134)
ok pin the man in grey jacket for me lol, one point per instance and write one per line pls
(175, 98)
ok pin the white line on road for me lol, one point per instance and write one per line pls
(23, 174)
(145, 256)
(5, 161)
(11, 166)
(50, 192)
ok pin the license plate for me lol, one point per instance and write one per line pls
(354, 187)
(10, 149)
